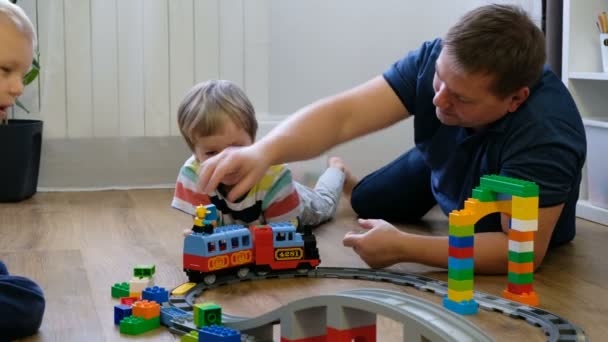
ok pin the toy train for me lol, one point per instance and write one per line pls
(237, 249)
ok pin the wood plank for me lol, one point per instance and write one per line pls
(104, 37)
(156, 68)
(130, 67)
(181, 49)
(51, 42)
(206, 40)
(86, 241)
(77, 18)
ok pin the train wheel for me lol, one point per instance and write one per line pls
(209, 279)
(194, 276)
(304, 267)
(263, 270)
(242, 272)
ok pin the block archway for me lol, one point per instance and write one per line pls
(486, 199)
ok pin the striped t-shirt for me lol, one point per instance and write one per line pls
(273, 199)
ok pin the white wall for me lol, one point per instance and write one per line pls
(114, 71)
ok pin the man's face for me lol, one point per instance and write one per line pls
(465, 100)
(15, 60)
(230, 136)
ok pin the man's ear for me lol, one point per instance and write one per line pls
(517, 98)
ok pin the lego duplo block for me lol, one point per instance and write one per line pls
(215, 333)
(484, 195)
(521, 247)
(190, 337)
(121, 311)
(461, 242)
(128, 300)
(521, 268)
(520, 289)
(367, 334)
(460, 253)
(141, 271)
(518, 278)
(120, 290)
(146, 309)
(461, 231)
(157, 294)
(137, 285)
(523, 225)
(456, 285)
(460, 274)
(465, 307)
(521, 257)
(518, 236)
(463, 217)
(525, 208)
(206, 314)
(460, 264)
(133, 325)
(459, 296)
(508, 185)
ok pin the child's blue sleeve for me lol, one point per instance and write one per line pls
(21, 306)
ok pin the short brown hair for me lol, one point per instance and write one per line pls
(206, 107)
(498, 40)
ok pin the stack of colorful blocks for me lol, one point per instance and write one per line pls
(208, 318)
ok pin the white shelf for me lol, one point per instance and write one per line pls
(598, 76)
(587, 211)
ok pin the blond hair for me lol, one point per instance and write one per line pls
(206, 107)
(15, 15)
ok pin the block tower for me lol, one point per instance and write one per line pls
(522, 205)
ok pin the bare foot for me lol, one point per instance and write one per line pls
(349, 180)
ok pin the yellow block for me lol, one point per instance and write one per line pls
(525, 208)
(183, 289)
(474, 210)
(459, 296)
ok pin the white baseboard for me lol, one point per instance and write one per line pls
(587, 211)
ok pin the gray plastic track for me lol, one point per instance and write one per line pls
(554, 327)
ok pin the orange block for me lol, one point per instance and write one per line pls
(521, 268)
(146, 309)
(520, 236)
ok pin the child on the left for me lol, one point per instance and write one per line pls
(21, 300)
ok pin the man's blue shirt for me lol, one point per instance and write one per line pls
(543, 141)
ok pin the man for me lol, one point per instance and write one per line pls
(482, 103)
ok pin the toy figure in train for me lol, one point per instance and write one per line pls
(211, 250)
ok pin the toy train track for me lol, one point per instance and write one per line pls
(555, 328)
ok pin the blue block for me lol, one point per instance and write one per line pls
(157, 294)
(461, 242)
(194, 243)
(214, 333)
(121, 311)
(466, 307)
(169, 313)
(460, 264)
(211, 214)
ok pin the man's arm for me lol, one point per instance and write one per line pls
(308, 133)
(384, 245)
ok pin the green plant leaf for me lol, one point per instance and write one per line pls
(20, 105)
(31, 76)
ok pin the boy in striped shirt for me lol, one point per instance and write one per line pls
(215, 115)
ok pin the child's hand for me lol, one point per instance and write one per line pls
(187, 231)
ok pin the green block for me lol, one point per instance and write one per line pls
(508, 185)
(484, 195)
(521, 257)
(144, 270)
(460, 285)
(190, 337)
(134, 325)
(120, 290)
(521, 279)
(462, 231)
(460, 274)
(207, 314)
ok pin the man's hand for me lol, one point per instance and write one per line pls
(243, 166)
(383, 245)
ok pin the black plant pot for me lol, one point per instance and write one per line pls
(20, 145)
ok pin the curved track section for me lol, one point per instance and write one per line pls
(554, 327)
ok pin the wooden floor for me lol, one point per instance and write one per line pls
(76, 245)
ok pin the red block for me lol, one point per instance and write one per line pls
(361, 334)
(520, 289)
(461, 252)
